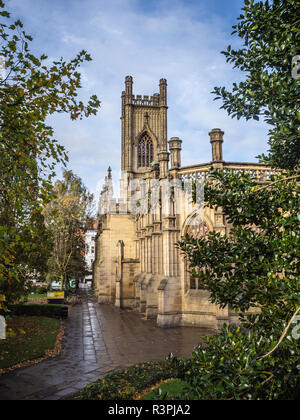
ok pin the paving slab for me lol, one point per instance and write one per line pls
(98, 339)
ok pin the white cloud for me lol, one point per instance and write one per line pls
(123, 39)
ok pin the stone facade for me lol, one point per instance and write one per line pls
(137, 264)
(89, 239)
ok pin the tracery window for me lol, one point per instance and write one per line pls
(145, 151)
(197, 228)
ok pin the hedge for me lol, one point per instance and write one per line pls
(50, 311)
(127, 383)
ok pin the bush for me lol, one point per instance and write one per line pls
(69, 292)
(50, 311)
(167, 390)
(127, 383)
(229, 366)
(40, 290)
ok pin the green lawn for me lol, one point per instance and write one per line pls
(33, 336)
(37, 296)
(172, 388)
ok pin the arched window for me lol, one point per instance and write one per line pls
(145, 151)
(197, 229)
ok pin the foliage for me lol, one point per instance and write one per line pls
(227, 367)
(66, 215)
(50, 311)
(39, 290)
(255, 267)
(271, 38)
(32, 337)
(167, 390)
(32, 88)
(126, 384)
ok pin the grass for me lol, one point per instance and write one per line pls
(32, 337)
(171, 388)
(128, 383)
(37, 296)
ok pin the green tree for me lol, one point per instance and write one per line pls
(255, 267)
(66, 216)
(257, 264)
(30, 91)
(271, 39)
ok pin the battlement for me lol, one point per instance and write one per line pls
(156, 100)
(145, 100)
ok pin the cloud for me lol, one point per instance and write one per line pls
(178, 40)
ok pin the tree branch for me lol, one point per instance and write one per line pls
(282, 337)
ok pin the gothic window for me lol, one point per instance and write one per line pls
(145, 151)
(197, 229)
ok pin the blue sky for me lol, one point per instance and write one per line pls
(179, 40)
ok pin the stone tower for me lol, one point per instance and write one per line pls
(144, 129)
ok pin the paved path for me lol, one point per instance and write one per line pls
(98, 339)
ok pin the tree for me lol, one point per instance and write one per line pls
(33, 258)
(257, 265)
(271, 36)
(31, 90)
(66, 216)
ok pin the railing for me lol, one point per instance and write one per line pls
(259, 171)
(194, 172)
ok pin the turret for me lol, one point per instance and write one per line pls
(163, 158)
(175, 151)
(163, 92)
(128, 89)
(216, 139)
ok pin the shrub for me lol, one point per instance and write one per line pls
(127, 383)
(50, 311)
(229, 366)
(40, 290)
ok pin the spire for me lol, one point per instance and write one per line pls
(106, 201)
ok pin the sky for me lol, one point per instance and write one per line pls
(179, 40)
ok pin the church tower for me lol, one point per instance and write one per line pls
(144, 129)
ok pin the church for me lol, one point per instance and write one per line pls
(137, 264)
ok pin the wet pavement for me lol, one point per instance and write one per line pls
(98, 339)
